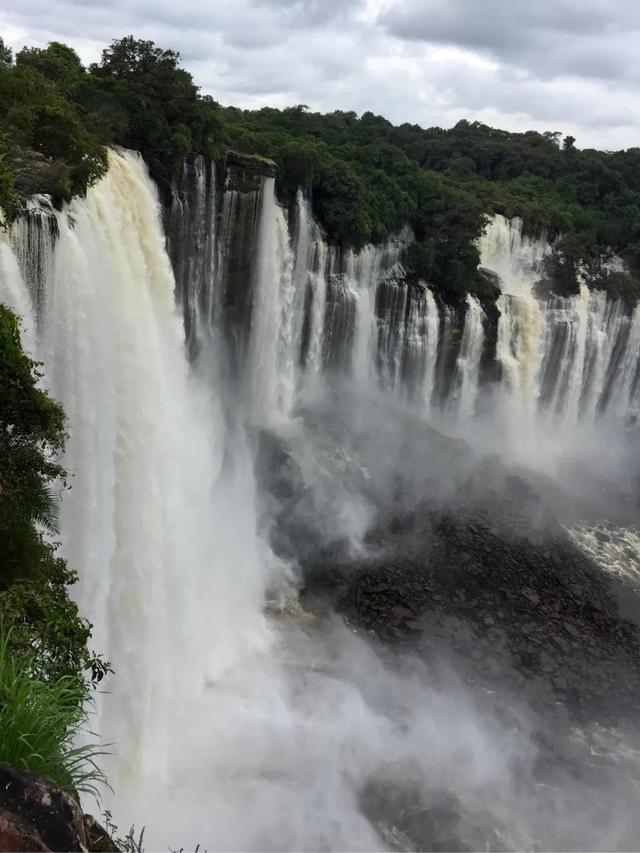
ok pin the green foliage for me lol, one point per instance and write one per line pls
(137, 97)
(6, 54)
(366, 177)
(40, 722)
(8, 195)
(31, 434)
(33, 580)
(620, 285)
(57, 62)
(46, 625)
(37, 115)
(132, 842)
(153, 105)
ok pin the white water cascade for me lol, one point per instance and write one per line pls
(272, 358)
(313, 264)
(468, 366)
(421, 346)
(14, 293)
(163, 579)
(568, 358)
(516, 259)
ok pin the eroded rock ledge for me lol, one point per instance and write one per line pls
(36, 815)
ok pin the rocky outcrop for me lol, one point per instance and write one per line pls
(98, 839)
(17, 834)
(244, 173)
(37, 815)
(501, 589)
(33, 174)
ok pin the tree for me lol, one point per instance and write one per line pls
(57, 62)
(147, 67)
(31, 436)
(6, 54)
(44, 622)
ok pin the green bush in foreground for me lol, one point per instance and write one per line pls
(42, 722)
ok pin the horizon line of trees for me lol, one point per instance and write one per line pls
(366, 177)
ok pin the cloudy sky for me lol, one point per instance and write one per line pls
(567, 65)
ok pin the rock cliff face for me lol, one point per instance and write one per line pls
(212, 224)
(36, 815)
(245, 171)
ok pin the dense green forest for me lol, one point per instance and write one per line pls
(366, 177)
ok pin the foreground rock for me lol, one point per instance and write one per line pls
(36, 815)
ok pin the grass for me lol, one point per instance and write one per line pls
(42, 724)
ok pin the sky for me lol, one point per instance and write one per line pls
(561, 65)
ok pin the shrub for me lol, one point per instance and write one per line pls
(42, 722)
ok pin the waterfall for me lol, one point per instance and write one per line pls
(15, 293)
(150, 489)
(621, 394)
(569, 357)
(33, 236)
(392, 295)
(516, 258)
(363, 271)
(340, 323)
(420, 355)
(407, 338)
(191, 241)
(468, 365)
(272, 357)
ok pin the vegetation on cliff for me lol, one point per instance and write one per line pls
(367, 177)
(46, 668)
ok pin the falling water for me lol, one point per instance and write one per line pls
(421, 347)
(567, 356)
(191, 241)
(516, 258)
(468, 366)
(272, 360)
(314, 263)
(392, 296)
(144, 451)
(14, 292)
(363, 271)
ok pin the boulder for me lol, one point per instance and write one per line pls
(36, 814)
(98, 839)
(17, 834)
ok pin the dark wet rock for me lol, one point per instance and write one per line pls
(34, 174)
(98, 839)
(429, 820)
(533, 604)
(17, 834)
(48, 817)
(245, 173)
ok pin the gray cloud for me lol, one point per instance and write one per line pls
(588, 38)
(568, 65)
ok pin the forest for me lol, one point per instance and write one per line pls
(367, 178)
